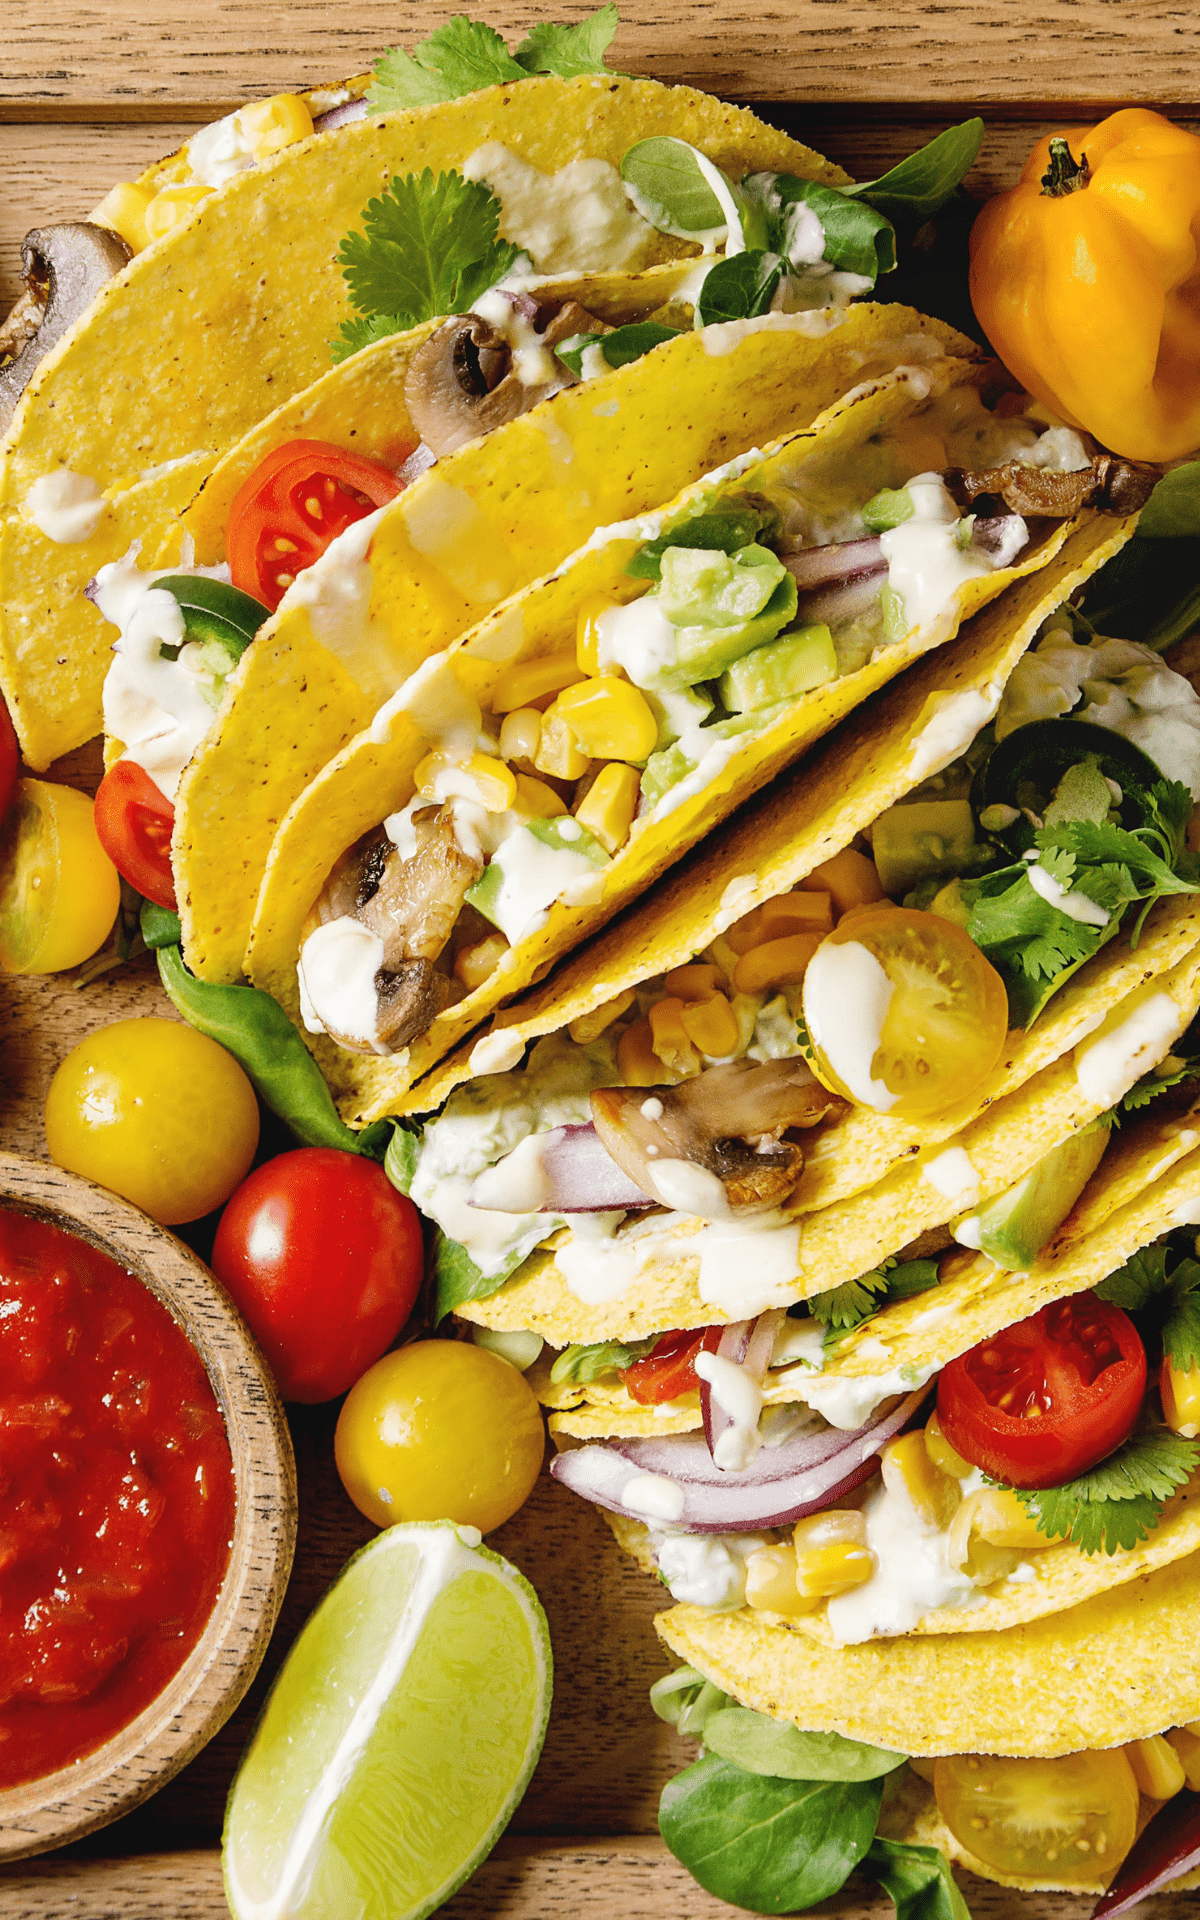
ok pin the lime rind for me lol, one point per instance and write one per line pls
(307, 1792)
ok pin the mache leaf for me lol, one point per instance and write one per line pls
(858, 238)
(915, 189)
(667, 175)
(400, 1160)
(569, 50)
(740, 287)
(918, 1880)
(620, 347)
(458, 57)
(1120, 1501)
(1173, 510)
(428, 247)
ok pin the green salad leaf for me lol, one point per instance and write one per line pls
(428, 247)
(1120, 1501)
(684, 1699)
(620, 347)
(458, 57)
(579, 1366)
(774, 1846)
(570, 51)
(918, 1880)
(457, 1279)
(918, 186)
(400, 1160)
(762, 1745)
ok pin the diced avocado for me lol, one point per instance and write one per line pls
(736, 522)
(1015, 1226)
(887, 509)
(926, 837)
(564, 834)
(678, 712)
(721, 605)
(792, 664)
(895, 619)
(948, 904)
(1082, 794)
(664, 770)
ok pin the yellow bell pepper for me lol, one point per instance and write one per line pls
(1086, 279)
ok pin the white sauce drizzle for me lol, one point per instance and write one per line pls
(336, 970)
(846, 999)
(65, 506)
(1132, 1040)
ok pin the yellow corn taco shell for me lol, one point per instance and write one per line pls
(1118, 1667)
(209, 329)
(472, 533)
(375, 775)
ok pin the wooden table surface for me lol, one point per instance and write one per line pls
(89, 93)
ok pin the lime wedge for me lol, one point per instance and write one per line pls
(398, 1738)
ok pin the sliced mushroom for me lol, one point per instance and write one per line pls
(1111, 485)
(412, 905)
(726, 1120)
(64, 269)
(463, 383)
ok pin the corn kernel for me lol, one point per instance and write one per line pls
(771, 1582)
(480, 778)
(608, 806)
(171, 208)
(711, 1025)
(822, 1572)
(778, 963)
(998, 1517)
(1181, 1398)
(849, 878)
(587, 631)
(1157, 1768)
(1187, 1747)
(790, 913)
(123, 211)
(269, 125)
(868, 906)
(670, 1040)
(474, 965)
(837, 1526)
(533, 680)
(906, 1464)
(535, 800)
(521, 735)
(557, 754)
(942, 1453)
(637, 1062)
(1193, 1727)
(590, 1026)
(610, 719)
(695, 982)
(922, 1767)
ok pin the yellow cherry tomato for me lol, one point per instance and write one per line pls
(158, 1113)
(440, 1431)
(59, 891)
(904, 1013)
(1057, 1821)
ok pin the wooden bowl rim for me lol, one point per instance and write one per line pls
(143, 1756)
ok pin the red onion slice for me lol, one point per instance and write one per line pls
(807, 1474)
(843, 560)
(1168, 1848)
(747, 1344)
(1002, 536)
(419, 461)
(343, 116)
(579, 1177)
(842, 600)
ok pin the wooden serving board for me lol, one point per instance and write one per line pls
(89, 94)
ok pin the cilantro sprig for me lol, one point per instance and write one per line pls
(427, 247)
(1031, 942)
(1120, 1501)
(847, 1306)
(1162, 1287)
(463, 55)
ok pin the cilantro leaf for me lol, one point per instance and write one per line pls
(458, 57)
(1119, 1502)
(363, 331)
(569, 51)
(1022, 933)
(847, 1306)
(1156, 1282)
(1135, 1284)
(1181, 1334)
(1155, 1082)
(428, 247)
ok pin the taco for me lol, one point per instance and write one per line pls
(598, 701)
(1062, 1755)
(123, 402)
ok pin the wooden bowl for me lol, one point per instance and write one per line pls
(208, 1686)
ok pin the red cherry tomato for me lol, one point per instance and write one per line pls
(8, 760)
(133, 825)
(1046, 1399)
(295, 502)
(323, 1257)
(669, 1368)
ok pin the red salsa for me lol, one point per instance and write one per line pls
(116, 1498)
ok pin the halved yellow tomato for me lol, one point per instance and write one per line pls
(904, 1013)
(59, 891)
(1059, 1822)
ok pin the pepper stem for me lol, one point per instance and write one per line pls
(1064, 174)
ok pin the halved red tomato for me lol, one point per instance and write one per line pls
(669, 1369)
(293, 505)
(133, 825)
(1044, 1400)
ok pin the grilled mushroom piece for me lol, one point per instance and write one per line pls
(726, 1120)
(412, 904)
(463, 382)
(64, 268)
(1111, 485)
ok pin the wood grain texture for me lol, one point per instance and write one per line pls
(69, 56)
(213, 1679)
